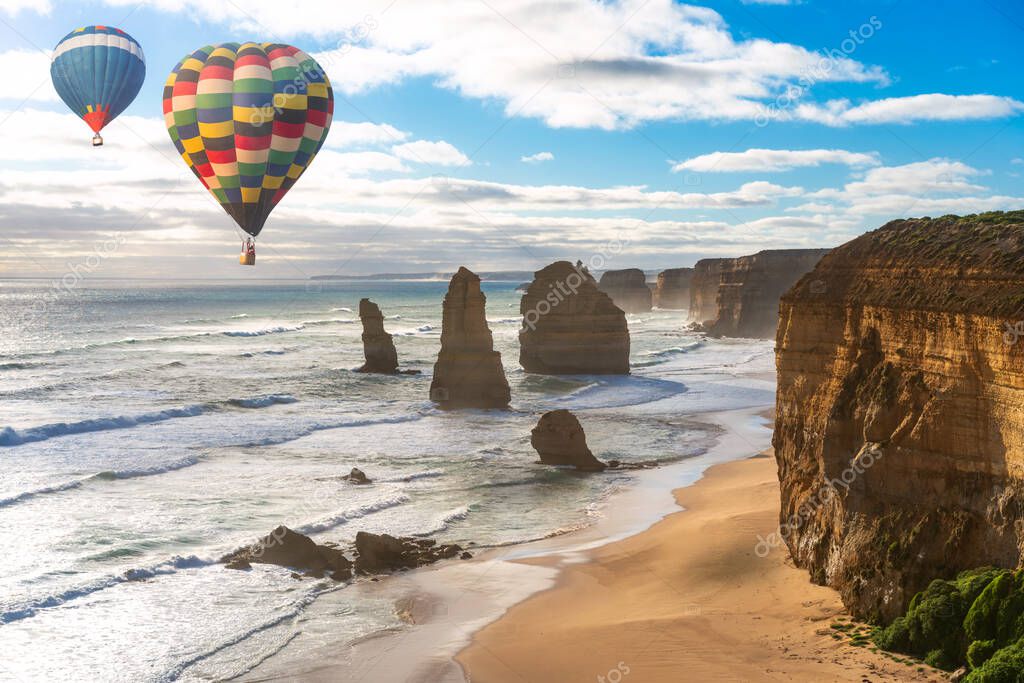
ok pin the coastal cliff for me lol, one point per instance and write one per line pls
(707, 273)
(899, 433)
(673, 289)
(570, 327)
(750, 287)
(628, 289)
(468, 372)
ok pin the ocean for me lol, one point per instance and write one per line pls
(147, 428)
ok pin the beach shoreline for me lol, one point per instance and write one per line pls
(444, 606)
(691, 598)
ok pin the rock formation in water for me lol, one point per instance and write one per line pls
(570, 327)
(707, 274)
(900, 410)
(750, 287)
(628, 289)
(673, 289)
(288, 548)
(378, 345)
(468, 372)
(380, 553)
(357, 476)
(559, 439)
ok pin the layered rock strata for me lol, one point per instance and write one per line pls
(571, 327)
(378, 345)
(468, 372)
(628, 289)
(559, 440)
(673, 289)
(707, 274)
(749, 289)
(900, 411)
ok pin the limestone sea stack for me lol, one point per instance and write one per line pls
(468, 372)
(570, 327)
(628, 289)
(559, 439)
(707, 274)
(749, 289)
(900, 408)
(673, 289)
(378, 345)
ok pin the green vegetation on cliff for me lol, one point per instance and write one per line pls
(975, 620)
(908, 261)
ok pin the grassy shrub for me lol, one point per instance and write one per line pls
(1005, 666)
(975, 620)
(979, 652)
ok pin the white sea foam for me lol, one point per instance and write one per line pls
(263, 401)
(277, 329)
(346, 516)
(31, 608)
(9, 436)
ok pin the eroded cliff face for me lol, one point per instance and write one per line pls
(900, 412)
(750, 287)
(628, 289)
(673, 289)
(707, 274)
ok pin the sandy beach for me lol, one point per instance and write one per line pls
(687, 600)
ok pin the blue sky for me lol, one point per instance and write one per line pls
(662, 129)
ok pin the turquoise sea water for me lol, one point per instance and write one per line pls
(146, 428)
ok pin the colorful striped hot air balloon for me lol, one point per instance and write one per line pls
(98, 71)
(248, 119)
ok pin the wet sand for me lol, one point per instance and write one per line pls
(690, 599)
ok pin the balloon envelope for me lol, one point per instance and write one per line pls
(98, 71)
(248, 119)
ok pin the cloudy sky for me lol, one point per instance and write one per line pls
(504, 134)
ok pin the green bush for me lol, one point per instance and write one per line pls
(980, 651)
(982, 622)
(977, 620)
(933, 627)
(1005, 666)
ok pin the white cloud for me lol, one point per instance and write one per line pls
(364, 133)
(933, 187)
(26, 77)
(438, 153)
(347, 164)
(919, 178)
(765, 160)
(575, 63)
(933, 107)
(12, 7)
(537, 158)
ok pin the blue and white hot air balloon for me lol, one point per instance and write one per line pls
(98, 71)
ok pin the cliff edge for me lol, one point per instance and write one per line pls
(899, 432)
